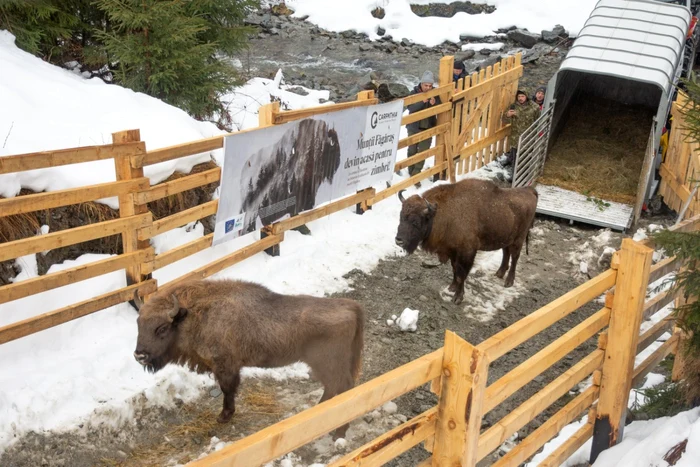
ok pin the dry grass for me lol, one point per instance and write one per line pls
(600, 151)
(198, 421)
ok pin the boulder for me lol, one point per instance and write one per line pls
(398, 90)
(380, 31)
(467, 54)
(406, 42)
(365, 47)
(555, 35)
(469, 37)
(524, 37)
(378, 12)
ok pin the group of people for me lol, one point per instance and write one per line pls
(521, 114)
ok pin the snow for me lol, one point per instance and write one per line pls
(408, 321)
(400, 22)
(483, 46)
(390, 407)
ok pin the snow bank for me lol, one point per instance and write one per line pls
(400, 22)
(483, 46)
(408, 321)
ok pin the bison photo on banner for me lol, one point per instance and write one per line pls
(276, 172)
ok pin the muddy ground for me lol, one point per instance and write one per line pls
(174, 436)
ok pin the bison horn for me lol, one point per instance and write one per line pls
(137, 300)
(430, 207)
(401, 196)
(176, 308)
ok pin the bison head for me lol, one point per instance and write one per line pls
(157, 323)
(415, 221)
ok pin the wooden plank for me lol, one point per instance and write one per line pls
(54, 280)
(506, 340)
(531, 408)
(653, 360)
(391, 444)
(663, 268)
(479, 145)
(289, 434)
(323, 211)
(50, 241)
(228, 260)
(465, 372)
(659, 301)
(266, 114)
(569, 447)
(625, 319)
(41, 160)
(63, 315)
(169, 153)
(384, 194)
(179, 219)
(183, 251)
(423, 135)
(59, 198)
(445, 78)
(292, 115)
(650, 336)
(518, 377)
(472, 122)
(413, 98)
(677, 186)
(483, 87)
(549, 429)
(421, 114)
(178, 185)
(421, 156)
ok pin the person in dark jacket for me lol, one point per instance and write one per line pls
(459, 71)
(520, 116)
(426, 84)
(538, 98)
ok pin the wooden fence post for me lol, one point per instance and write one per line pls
(360, 208)
(266, 117)
(623, 334)
(464, 375)
(447, 65)
(128, 207)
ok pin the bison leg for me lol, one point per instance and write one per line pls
(515, 255)
(229, 386)
(504, 263)
(453, 286)
(464, 265)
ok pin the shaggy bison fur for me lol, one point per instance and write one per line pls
(455, 221)
(222, 326)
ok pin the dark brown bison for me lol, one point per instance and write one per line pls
(457, 220)
(224, 325)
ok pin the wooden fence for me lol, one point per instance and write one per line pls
(468, 135)
(458, 373)
(680, 169)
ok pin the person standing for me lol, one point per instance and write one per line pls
(426, 84)
(520, 116)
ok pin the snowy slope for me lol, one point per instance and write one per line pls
(400, 22)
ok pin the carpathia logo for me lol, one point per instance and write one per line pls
(373, 120)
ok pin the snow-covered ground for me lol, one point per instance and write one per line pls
(400, 22)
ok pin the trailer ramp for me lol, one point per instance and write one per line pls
(558, 202)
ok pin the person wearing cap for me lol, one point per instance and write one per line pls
(520, 116)
(459, 71)
(426, 84)
(538, 98)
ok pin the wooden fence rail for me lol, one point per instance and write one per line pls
(468, 135)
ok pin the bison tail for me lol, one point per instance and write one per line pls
(358, 342)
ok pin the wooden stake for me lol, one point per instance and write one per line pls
(618, 366)
(444, 78)
(465, 371)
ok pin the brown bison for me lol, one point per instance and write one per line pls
(457, 220)
(224, 325)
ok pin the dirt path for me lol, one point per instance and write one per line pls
(175, 436)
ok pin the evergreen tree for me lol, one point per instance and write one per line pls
(686, 246)
(39, 26)
(170, 48)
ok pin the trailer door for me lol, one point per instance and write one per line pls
(532, 150)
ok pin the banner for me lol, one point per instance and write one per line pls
(279, 171)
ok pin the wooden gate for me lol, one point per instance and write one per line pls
(478, 106)
(680, 169)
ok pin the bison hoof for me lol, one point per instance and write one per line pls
(509, 283)
(500, 274)
(225, 416)
(452, 288)
(457, 299)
